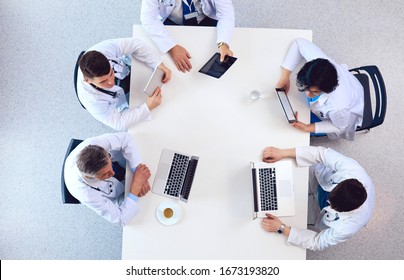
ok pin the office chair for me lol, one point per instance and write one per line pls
(76, 69)
(67, 198)
(375, 98)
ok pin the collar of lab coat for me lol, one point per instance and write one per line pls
(322, 99)
(341, 215)
(95, 183)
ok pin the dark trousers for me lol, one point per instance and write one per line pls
(124, 84)
(207, 21)
(322, 197)
(119, 171)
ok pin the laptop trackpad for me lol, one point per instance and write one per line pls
(285, 188)
(163, 171)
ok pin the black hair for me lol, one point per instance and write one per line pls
(318, 72)
(94, 64)
(348, 195)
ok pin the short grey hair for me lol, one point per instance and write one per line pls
(92, 159)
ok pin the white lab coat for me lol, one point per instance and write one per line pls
(115, 112)
(331, 168)
(155, 12)
(109, 202)
(341, 111)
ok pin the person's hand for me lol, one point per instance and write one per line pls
(145, 189)
(167, 73)
(302, 126)
(154, 100)
(224, 50)
(140, 177)
(272, 154)
(284, 80)
(271, 223)
(181, 58)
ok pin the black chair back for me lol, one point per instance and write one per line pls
(76, 69)
(373, 113)
(67, 198)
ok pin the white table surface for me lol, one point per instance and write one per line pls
(215, 120)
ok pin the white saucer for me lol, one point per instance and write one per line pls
(174, 219)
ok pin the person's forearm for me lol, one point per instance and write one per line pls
(310, 155)
(286, 231)
(326, 126)
(226, 21)
(135, 188)
(311, 127)
(288, 153)
(150, 18)
(285, 74)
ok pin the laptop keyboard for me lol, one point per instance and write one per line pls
(267, 184)
(177, 174)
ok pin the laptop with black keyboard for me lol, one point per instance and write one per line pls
(272, 189)
(175, 174)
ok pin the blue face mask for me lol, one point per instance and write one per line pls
(315, 98)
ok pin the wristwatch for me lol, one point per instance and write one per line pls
(222, 44)
(281, 228)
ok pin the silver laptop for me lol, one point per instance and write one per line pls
(272, 189)
(175, 174)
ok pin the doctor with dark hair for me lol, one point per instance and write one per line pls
(345, 194)
(334, 94)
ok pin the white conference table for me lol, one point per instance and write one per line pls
(216, 120)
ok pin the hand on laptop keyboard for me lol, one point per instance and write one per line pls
(272, 154)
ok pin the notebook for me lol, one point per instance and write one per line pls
(175, 174)
(272, 185)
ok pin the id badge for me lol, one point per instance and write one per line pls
(191, 15)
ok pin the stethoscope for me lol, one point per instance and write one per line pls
(98, 189)
(167, 2)
(331, 216)
(118, 68)
(114, 94)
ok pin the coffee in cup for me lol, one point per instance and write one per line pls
(168, 213)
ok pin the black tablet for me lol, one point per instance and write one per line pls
(287, 108)
(215, 68)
